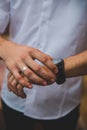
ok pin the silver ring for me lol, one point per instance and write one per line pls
(24, 68)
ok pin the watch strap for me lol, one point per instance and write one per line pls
(61, 78)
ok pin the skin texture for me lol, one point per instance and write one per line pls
(35, 73)
(76, 65)
(25, 56)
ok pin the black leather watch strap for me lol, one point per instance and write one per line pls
(61, 78)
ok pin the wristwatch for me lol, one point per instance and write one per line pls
(60, 76)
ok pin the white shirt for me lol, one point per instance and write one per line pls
(58, 28)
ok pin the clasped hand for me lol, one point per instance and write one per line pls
(24, 71)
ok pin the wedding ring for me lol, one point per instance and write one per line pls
(24, 68)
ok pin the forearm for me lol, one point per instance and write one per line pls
(7, 47)
(76, 65)
(3, 43)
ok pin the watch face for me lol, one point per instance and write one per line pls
(56, 61)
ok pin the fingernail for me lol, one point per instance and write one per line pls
(24, 96)
(44, 83)
(30, 86)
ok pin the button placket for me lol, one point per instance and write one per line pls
(44, 23)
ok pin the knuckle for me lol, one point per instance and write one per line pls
(18, 77)
(9, 64)
(41, 82)
(23, 57)
(45, 58)
(18, 87)
(38, 68)
(23, 82)
(28, 72)
(30, 50)
(12, 84)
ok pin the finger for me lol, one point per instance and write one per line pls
(45, 59)
(33, 78)
(43, 79)
(12, 90)
(40, 71)
(9, 75)
(12, 82)
(19, 77)
(10, 79)
(51, 66)
(16, 88)
(20, 91)
(30, 75)
(16, 73)
(22, 66)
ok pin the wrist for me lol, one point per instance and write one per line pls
(4, 48)
(60, 76)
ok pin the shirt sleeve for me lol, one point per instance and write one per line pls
(4, 14)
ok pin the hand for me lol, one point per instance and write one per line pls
(17, 88)
(17, 57)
